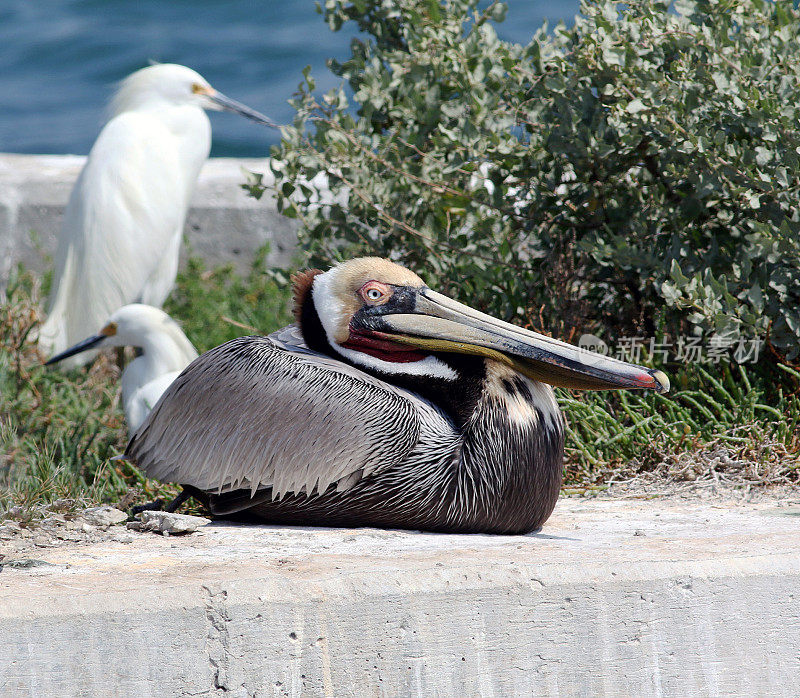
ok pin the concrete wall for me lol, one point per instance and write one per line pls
(224, 224)
(612, 598)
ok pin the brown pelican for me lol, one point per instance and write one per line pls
(388, 404)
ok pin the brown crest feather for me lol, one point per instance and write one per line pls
(302, 282)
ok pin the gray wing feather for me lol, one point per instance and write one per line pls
(290, 338)
(257, 413)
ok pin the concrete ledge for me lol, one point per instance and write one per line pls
(223, 225)
(614, 597)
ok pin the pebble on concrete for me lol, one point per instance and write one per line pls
(167, 523)
(103, 516)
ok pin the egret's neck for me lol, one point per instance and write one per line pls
(160, 354)
(191, 129)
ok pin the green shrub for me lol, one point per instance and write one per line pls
(58, 430)
(634, 174)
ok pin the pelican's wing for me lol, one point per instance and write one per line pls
(139, 405)
(252, 415)
(290, 338)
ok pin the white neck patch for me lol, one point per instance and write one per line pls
(523, 410)
(332, 315)
(329, 308)
(429, 366)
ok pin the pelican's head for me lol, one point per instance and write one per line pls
(136, 325)
(383, 317)
(175, 85)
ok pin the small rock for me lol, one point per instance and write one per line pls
(25, 563)
(46, 542)
(52, 521)
(123, 537)
(166, 523)
(638, 532)
(103, 516)
(60, 506)
(16, 512)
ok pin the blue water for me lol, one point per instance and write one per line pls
(59, 60)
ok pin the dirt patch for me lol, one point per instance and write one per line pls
(20, 543)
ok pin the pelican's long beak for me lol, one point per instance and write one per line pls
(439, 323)
(229, 104)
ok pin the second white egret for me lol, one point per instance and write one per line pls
(165, 352)
(122, 228)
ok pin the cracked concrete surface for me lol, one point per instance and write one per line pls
(613, 597)
(218, 639)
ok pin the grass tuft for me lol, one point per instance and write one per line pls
(729, 420)
(217, 305)
(58, 431)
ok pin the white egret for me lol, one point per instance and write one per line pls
(165, 352)
(122, 227)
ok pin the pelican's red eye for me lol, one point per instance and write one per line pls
(374, 292)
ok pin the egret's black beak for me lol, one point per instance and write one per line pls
(229, 104)
(88, 343)
(438, 323)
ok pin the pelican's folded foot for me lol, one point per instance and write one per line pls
(156, 505)
(180, 499)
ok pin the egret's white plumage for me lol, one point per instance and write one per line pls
(122, 227)
(164, 353)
